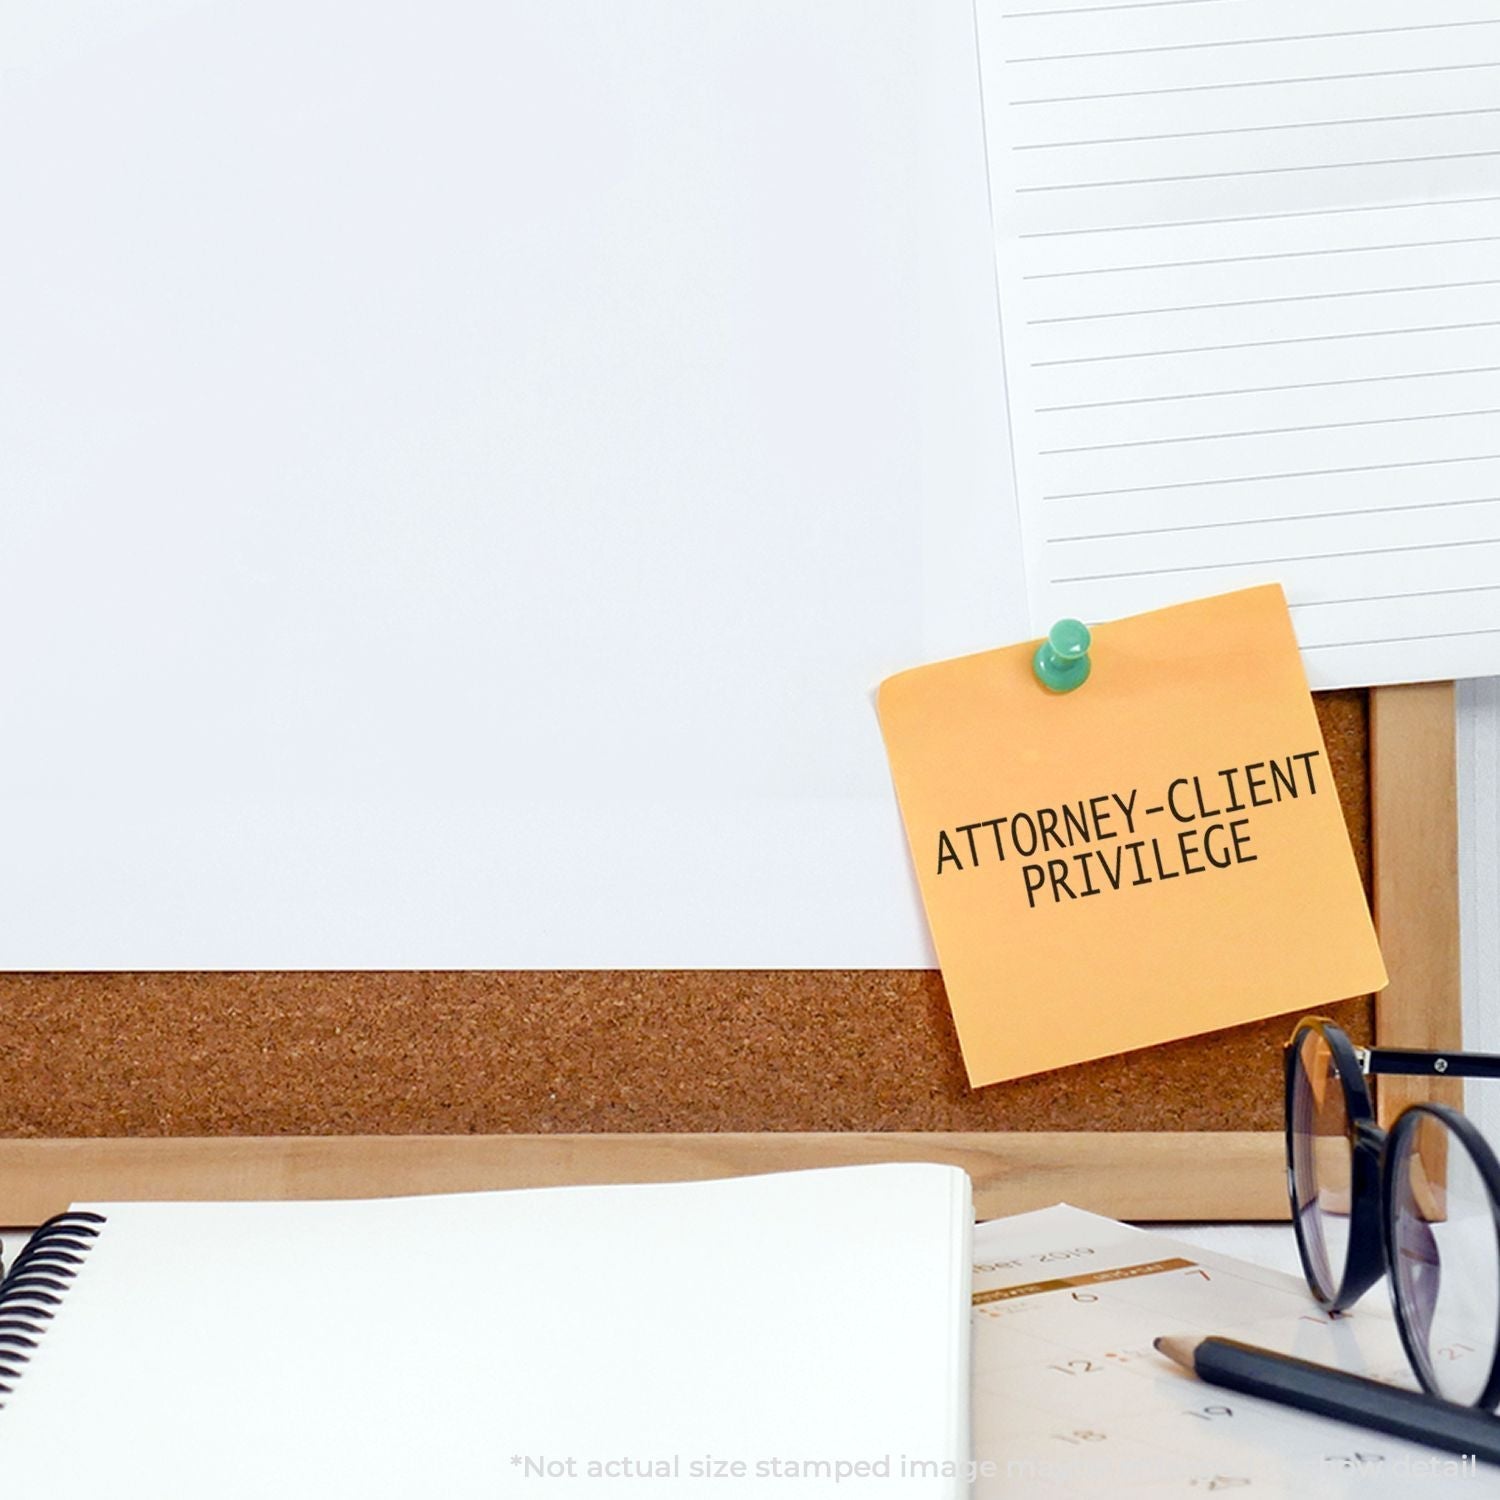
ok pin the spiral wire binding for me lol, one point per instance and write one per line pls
(30, 1293)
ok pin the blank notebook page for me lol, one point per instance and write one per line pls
(1251, 307)
(431, 1346)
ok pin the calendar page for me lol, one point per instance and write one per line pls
(1070, 1397)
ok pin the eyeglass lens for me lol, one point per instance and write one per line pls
(1322, 1162)
(1447, 1259)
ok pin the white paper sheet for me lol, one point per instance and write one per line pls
(1249, 257)
(464, 467)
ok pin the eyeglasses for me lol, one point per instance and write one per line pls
(1420, 1203)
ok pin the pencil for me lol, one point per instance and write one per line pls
(1331, 1393)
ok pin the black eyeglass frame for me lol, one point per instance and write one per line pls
(1374, 1152)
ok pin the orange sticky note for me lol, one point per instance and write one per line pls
(1156, 854)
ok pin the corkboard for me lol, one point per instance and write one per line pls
(367, 1054)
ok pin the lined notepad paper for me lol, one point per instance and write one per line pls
(1249, 257)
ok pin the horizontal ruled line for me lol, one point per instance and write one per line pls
(1262, 562)
(1397, 640)
(1088, 10)
(1214, 437)
(1261, 390)
(1235, 260)
(1196, 484)
(1373, 291)
(1257, 41)
(1259, 83)
(1187, 135)
(1312, 338)
(1471, 588)
(1320, 166)
(1306, 515)
(1296, 213)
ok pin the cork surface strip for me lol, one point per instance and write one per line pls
(460, 1052)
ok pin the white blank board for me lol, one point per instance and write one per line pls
(463, 468)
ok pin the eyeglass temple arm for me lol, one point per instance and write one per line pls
(1401, 1062)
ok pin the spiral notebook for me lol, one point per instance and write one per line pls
(731, 1337)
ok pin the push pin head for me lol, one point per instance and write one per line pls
(1061, 662)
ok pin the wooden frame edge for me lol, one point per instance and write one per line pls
(1173, 1175)
(1414, 845)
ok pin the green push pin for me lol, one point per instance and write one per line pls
(1061, 662)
